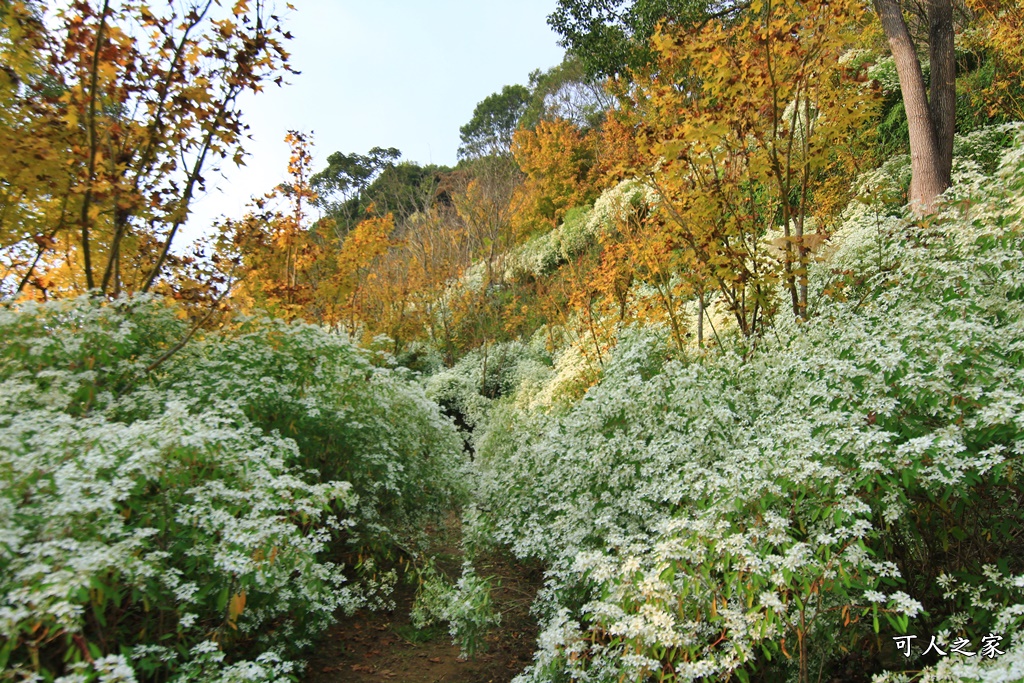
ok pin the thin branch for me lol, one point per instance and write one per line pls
(153, 131)
(91, 129)
(195, 328)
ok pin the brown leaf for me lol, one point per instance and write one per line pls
(44, 241)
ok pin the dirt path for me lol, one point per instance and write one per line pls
(385, 646)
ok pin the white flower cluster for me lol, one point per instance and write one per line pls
(140, 508)
(465, 606)
(579, 230)
(706, 510)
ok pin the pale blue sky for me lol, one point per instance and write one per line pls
(388, 73)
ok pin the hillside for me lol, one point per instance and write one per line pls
(705, 362)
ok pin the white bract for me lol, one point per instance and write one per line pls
(698, 515)
(144, 512)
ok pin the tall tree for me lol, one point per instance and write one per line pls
(740, 125)
(109, 130)
(347, 175)
(277, 252)
(559, 160)
(342, 187)
(566, 91)
(495, 119)
(1000, 27)
(612, 37)
(931, 109)
(487, 199)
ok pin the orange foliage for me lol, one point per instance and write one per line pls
(558, 160)
(741, 123)
(1001, 26)
(107, 133)
(367, 241)
(275, 248)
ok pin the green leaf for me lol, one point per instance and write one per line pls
(5, 652)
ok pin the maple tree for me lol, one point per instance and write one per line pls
(367, 241)
(408, 290)
(739, 125)
(112, 118)
(1000, 25)
(382, 273)
(558, 160)
(281, 258)
(486, 200)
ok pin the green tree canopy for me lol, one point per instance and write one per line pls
(567, 91)
(351, 183)
(611, 37)
(349, 174)
(489, 132)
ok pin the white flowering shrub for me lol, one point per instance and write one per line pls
(180, 515)
(757, 512)
(467, 390)
(536, 257)
(883, 72)
(986, 146)
(569, 376)
(465, 606)
(579, 230)
(367, 425)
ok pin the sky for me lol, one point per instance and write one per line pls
(381, 73)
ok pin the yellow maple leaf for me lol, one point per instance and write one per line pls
(235, 608)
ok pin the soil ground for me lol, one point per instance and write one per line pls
(385, 646)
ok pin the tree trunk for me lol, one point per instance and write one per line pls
(700, 320)
(942, 88)
(931, 125)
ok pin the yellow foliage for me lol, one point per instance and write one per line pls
(235, 608)
(1000, 27)
(740, 125)
(106, 135)
(558, 160)
(367, 241)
